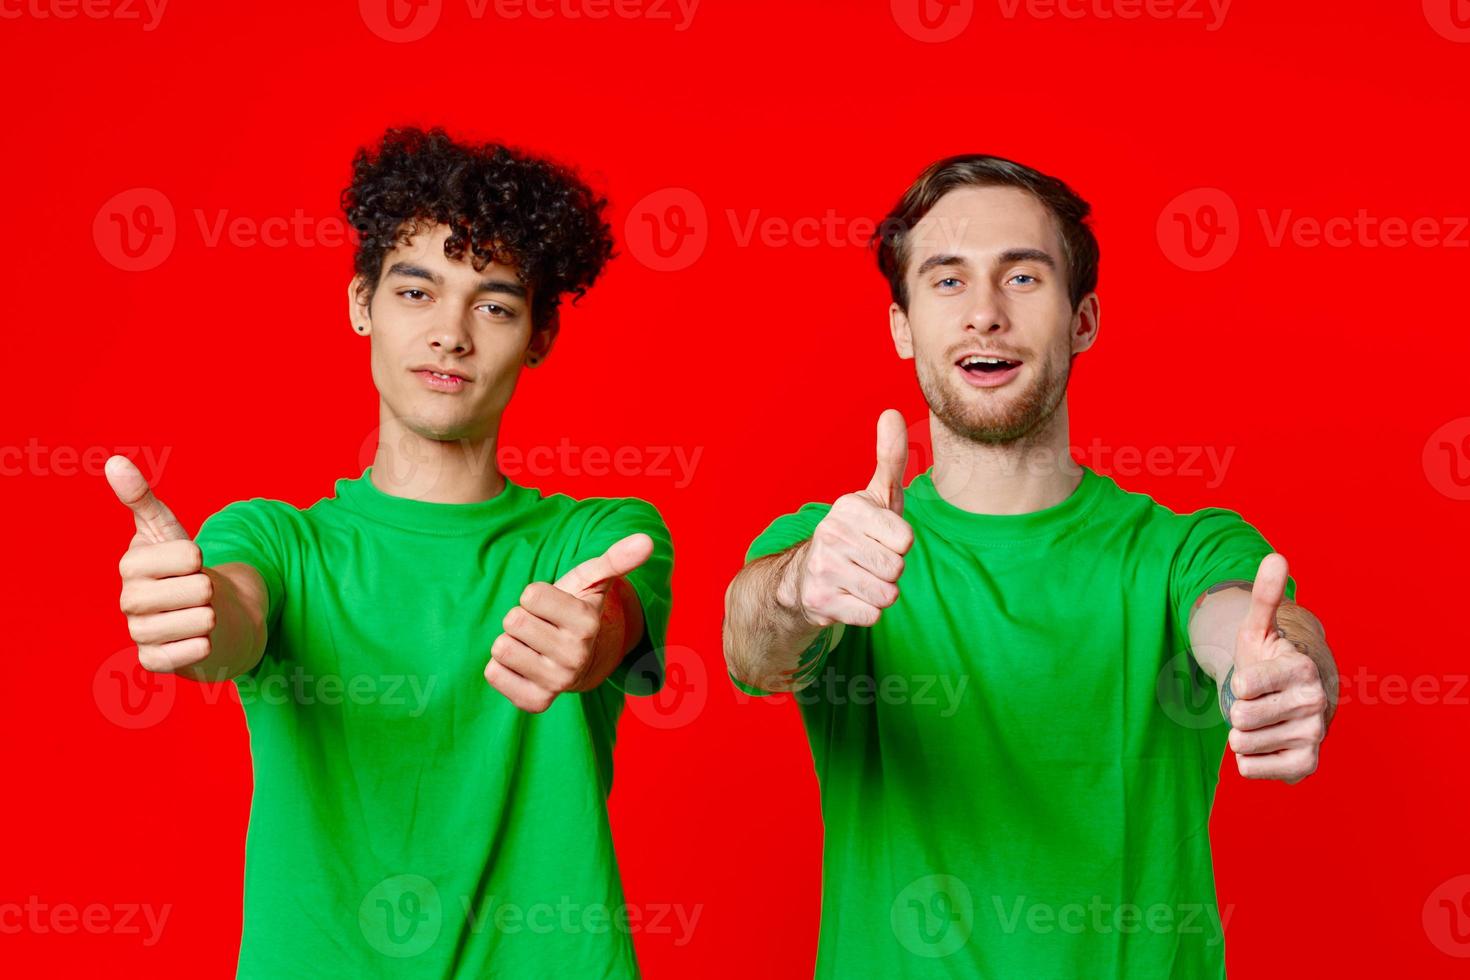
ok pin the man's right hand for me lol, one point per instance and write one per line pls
(848, 572)
(167, 594)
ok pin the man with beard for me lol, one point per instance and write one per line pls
(1001, 666)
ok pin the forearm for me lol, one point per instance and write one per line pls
(765, 633)
(237, 641)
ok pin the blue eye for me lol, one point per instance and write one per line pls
(1023, 275)
(948, 279)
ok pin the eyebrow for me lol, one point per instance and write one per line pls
(1008, 257)
(410, 271)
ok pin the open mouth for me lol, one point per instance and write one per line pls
(987, 370)
(980, 365)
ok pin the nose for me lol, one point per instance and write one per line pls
(987, 315)
(451, 336)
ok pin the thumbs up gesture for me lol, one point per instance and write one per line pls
(558, 639)
(850, 568)
(166, 594)
(1279, 708)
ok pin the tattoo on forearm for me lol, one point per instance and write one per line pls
(1233, 583)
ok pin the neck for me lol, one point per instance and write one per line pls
(1030, 474)
(439, 471)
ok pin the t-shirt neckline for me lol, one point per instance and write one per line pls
(922, 497)
(364, 497)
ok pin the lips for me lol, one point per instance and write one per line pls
(988, 370)
(441, 381)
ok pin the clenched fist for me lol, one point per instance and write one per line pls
(167, 595)
(559, 639)
(848, 572)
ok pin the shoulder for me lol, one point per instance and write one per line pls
(591, 513)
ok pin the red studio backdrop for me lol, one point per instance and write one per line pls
(1279, 190)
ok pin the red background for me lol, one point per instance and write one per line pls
(1326, 369)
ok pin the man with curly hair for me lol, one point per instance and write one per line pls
(433, 660)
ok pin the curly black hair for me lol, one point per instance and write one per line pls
(500, 203)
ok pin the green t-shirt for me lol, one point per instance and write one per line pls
(1017, 762)
(407, 819)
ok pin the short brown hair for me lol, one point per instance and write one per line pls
(1079, 245)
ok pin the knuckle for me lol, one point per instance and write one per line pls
(192, 557)
(1314, 699)
(209, 619)
(206, 590)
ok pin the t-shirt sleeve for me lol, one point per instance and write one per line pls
(787, 530)
(247, 531)
(641, 671)
(1218, 545)
(780, 534)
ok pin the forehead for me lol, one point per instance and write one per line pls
(975, 222)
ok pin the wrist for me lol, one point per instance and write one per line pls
(788, 581)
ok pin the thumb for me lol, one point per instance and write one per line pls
(595, 575)
(1259, 626)
(154, 520)
(886, 487)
